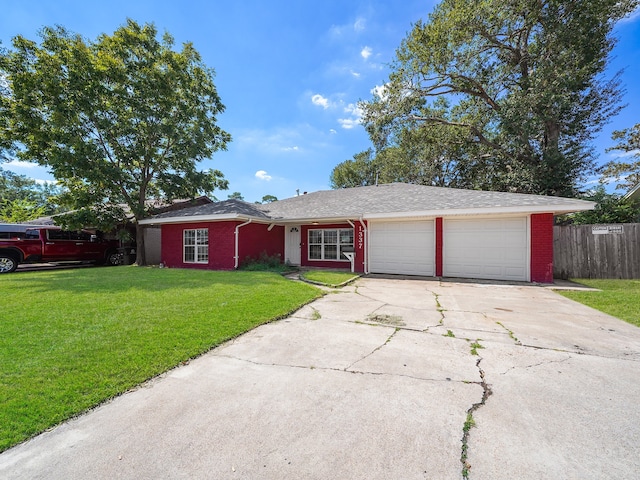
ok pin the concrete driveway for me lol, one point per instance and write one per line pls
(377, 382)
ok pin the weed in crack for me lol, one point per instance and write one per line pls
(511, 334)
(449, 334)
(475, 346)
(470, 422)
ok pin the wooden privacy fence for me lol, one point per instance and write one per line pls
(594, 251)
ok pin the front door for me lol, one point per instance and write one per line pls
(292, 244)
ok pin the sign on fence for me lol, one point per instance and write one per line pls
(606, 229)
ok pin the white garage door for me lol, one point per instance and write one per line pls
(406, 247)
(494, 248)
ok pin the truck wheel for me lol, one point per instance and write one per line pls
(113, 258)
(8, 263)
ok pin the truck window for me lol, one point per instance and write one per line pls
(58, 235)
(32, 234)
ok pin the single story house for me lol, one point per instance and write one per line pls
(391, 228)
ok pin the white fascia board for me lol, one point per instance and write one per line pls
(203, 218)
(448, 212)
(319, 220)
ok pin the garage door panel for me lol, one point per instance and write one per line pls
(406, 247)
(493, 248)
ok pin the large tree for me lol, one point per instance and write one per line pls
(521, 80)
(625, 170)
(118, 120)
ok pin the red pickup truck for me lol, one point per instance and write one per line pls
(51, 244)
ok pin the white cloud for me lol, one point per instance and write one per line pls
(332, 131)
(339, 31)
(355, 74)
(262, 175)
(355, 116)
(291, 149)
(20, 164)
(380, 91)
(366, 52)
(319, 100)
(631, 153)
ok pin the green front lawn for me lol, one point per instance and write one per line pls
(70, 339)
(331, 278)
(620, 298)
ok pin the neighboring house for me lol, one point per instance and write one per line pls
(633, 194)
(393, 228)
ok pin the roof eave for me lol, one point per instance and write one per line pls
(204, 218)
(515, 210)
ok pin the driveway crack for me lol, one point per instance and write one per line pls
(395, 330)
(470, 422)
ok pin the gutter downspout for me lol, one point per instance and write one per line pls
(366, 245)
(237, 255)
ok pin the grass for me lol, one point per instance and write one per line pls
(330, 278)
(620, 298)
(72, 339)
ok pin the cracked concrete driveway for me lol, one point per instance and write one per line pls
(378, 382)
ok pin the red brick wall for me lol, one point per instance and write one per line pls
(542, 248)
(254, 239)
(359, 246)
(439, 247)
(221, 245)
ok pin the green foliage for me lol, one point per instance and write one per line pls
(18, 211)
(625, 173)
(117, 120)
(27, 197)
(475, 346)
(269, 199)
(236, 196)
(501, 95)
(620, 298)
(264, 262)
(610, 208)
(88, 335)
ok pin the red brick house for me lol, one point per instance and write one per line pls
(393, 228)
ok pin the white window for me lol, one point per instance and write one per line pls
(330, 244)
(196, 245)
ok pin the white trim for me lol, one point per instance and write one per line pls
(237, 234)
(365, 246)
(634, 192)
(195, 247)
(450, 212)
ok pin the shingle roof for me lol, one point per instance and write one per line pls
(226, 207)
(386, 200)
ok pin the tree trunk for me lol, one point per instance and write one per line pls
(141, 258)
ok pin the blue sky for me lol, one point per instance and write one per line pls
(290, 74)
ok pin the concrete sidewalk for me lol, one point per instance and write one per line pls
(376, 382)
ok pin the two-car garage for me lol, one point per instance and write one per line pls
(472, 247)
